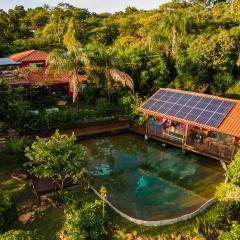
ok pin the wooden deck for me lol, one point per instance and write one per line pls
(91, 129)
(212, 149)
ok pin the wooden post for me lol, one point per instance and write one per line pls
(234, 149)
(185, 139)
(146, 129)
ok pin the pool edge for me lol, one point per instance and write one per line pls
(160, 222)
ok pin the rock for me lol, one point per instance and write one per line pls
(24, 218)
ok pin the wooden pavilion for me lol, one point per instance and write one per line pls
(196, 122)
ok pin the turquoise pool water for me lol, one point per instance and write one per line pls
(149, 182)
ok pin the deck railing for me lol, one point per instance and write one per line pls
(213, 147)
(174, 135)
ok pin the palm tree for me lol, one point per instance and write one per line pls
(71, 61)
(103, 70)
(165, 34)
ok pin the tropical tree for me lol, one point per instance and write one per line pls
(103, 65)
(69, 39)
(59, 158)
(72, 61)
(166, 33)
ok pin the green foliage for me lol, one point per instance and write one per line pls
(14, 109)
(90, 94)
(103, 107)
(215, 220)
(129, 104)
(6, 211)
(233, 170)
(197, 39)
(69, 38)
(19, 235)
(233, 234)
(58, 158)
(228, 192)
(86, 222)
(14, 148)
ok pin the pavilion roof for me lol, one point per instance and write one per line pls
(230, 125)
(30, 56)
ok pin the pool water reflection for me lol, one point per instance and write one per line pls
(149, 182)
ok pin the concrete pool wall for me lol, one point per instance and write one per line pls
(160, 222)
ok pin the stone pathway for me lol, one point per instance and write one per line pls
(30, 209)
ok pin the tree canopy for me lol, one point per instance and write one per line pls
(59, 158)
(192, 45)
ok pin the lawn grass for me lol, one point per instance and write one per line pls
(48, 225)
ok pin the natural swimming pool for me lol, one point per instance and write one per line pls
(149, 182)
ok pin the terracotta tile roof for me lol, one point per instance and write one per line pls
(30, 56)
(39, 78)
(230, 125)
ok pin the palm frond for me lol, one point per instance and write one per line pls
(115, 75)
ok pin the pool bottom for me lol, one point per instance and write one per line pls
(148, 182)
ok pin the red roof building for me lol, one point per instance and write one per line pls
(39, 77)
(30, 57)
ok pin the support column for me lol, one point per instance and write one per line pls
(234, 150)
(146, 128)
(185, 139)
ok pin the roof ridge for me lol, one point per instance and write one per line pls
(30, 52)
(24, 53)
(201, 94)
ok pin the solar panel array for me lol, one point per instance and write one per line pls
(203, 110)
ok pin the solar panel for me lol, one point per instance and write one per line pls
(203, 110)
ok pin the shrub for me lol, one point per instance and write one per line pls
(18, 235)
(228, 192)
(86, 222)
(216, 219)
(90, 94)
(6, 211)
(233, 171)
(129, 103)
(233, 234)
(103, 107)
(14, 148)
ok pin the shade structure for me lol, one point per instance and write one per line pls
(197, 109)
